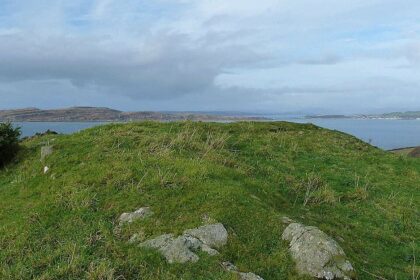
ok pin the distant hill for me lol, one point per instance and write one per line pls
(327, 117)
(411, 115)
(81, 114)
(402, 115)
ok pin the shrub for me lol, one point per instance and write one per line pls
(313, 190)
(9, 142)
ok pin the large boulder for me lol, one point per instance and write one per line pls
(175, 250)
(316, 254)
(182, 249)
(214, 235)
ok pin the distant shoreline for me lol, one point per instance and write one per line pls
(98, 114)
(411, 115)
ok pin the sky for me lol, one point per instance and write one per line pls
(268, 56)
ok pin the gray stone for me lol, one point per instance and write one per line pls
(136, 215)
(228, 266)
(207, 249)
(316, 254)
(182, 248)
(175, 250)
(249, 276)
(214, 235)
(46, 151)
(158, 242)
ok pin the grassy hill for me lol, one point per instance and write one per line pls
(60, 225)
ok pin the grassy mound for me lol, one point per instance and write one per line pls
(60, 225)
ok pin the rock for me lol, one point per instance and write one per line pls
(207, 249)
(228, 266)
(316, 254)
(158, 242)
(214, 235)
(46, 151)
(249, 276)
(141, 213)
(175, 250)
(182, 248)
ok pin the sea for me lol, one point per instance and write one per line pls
(386, 134)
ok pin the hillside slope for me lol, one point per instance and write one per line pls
(61, 225)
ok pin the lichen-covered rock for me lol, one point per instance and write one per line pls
(182, 248)
(316, 254)
(228, 266)
(214, 235)
(136, 215)
(175, 250)
(249, 276)
(158, 242)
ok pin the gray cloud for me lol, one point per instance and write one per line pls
(323, 60)
(186, 55)
(166, 68)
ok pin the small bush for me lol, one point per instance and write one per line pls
(313, 190)
(9, 142)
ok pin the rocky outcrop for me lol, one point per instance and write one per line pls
(212, 235)
(175, 250)
(228, 266)
(316, 254)
(183, 248)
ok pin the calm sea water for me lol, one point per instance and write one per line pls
(386, 134)
(31, 128)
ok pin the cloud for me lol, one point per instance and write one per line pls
(214, 54)
(165, 66)
(324, 60)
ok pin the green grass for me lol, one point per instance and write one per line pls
(244, 175)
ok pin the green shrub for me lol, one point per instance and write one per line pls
(9, 142)
(313, 190)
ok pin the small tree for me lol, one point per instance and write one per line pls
(9, 142)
